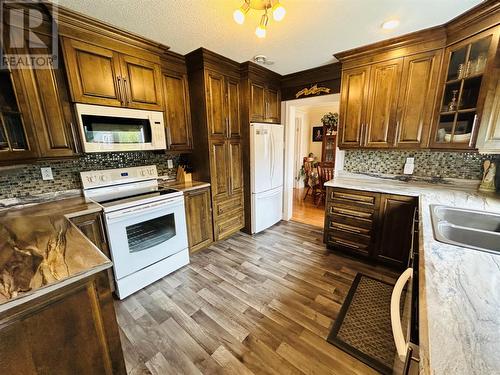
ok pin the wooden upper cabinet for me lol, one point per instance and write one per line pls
(416, 99)
(353, 101)
(216, 93)
(265, 103)
(177, 111)
(466, 78)
(272, 103)
(219, 169)
(257, 102)
(380, 128)
(489, 132)
(93, 72)
(99, 75)
(17, 137)
(233, 108)
(142, 83)
(235, 167)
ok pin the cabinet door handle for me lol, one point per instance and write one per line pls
(127, 93)
(363, 215)
(169, 138)
(76, 141)
(120, 93)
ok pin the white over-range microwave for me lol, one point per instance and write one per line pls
(108, 129)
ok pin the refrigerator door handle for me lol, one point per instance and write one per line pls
(272, 155)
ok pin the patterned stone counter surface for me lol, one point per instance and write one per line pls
(183, 186)
(459, 288)
(41, 250)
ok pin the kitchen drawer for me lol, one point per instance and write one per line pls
(367, 200)
(350, 245)
(351, 212)
(352, 221)
(227, 205)
(225, 226)
(333, 224)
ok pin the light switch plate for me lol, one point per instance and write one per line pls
(170, 163)
(47, 173)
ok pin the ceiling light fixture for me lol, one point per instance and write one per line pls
(275, 6)
(239, 14)
(390, 24)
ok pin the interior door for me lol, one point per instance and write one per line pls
(272, 100)
(257, 107)
(93, 73)
(235, 166)
(216, 116)
(233, 108)
(277, 149)
(142, 83)
(384, 85)
(416, 98)
(353, 100)
(260, 158)
(219, 169)
(177, 111)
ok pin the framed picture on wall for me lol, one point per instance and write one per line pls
(317, 134)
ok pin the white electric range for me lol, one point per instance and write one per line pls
(145, 223)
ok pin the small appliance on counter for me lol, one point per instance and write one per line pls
(145, 224)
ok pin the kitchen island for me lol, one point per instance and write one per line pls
(458, 287)
(56, 306)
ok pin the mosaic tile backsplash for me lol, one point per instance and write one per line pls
(464, 165)
(28, 181)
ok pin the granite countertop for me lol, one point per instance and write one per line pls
(183, 186)
(41, 250)
(459, 287)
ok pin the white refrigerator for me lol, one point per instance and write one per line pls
(266, 174)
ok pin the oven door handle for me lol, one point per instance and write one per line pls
(112, 216)
(397, 329)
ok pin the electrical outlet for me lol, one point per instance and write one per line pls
(170, 163)
(47, 173)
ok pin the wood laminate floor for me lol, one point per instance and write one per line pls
(306, 211)
(261, 305)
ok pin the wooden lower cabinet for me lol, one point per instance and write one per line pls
(395, 229)
(228, 216)
(92, 226)
(375, 226)
(72, 330)
(199, 218)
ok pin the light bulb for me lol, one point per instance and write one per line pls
(278, 12)
(239, 16)
(390, 24)
(260, 31)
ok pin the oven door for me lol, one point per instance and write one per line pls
(143, 235)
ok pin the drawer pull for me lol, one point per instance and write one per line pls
(347, 228)
(363, 215)
(358, 198)
(347, 244)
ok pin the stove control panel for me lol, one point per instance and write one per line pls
(107, 177)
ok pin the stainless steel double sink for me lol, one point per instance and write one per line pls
(467, 228)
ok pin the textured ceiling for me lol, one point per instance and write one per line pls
(308, 36)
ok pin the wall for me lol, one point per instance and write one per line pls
(28, 181)
(315, 114)
(465, 165)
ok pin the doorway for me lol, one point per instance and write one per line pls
(303, 150)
